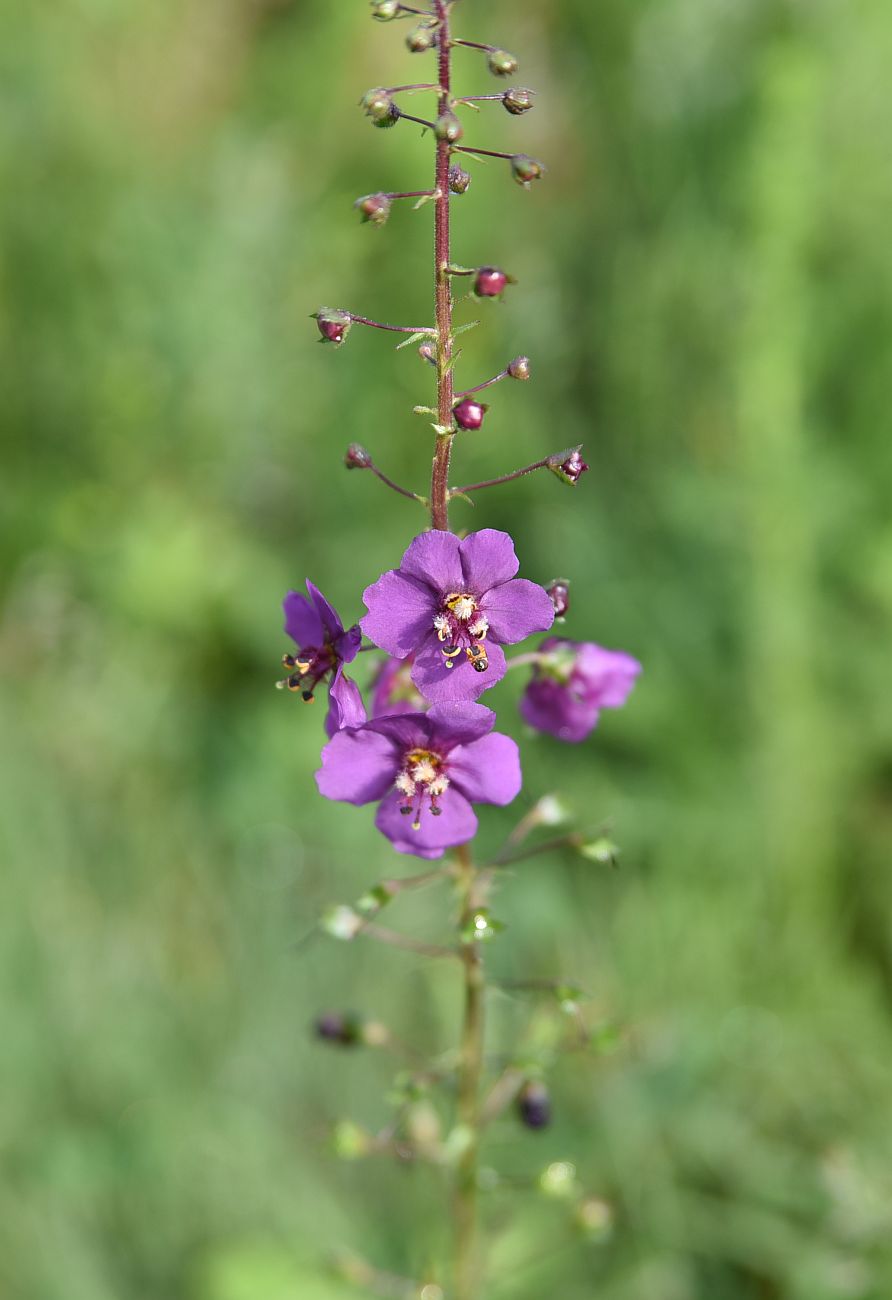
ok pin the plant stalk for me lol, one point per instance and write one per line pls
(439, 495)
(470, 1072)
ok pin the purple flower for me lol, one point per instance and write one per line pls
(393, 690)
(323, 649)
(453, 604)
(569, 689)
(426, 769)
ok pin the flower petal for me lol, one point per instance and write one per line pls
(345, 706)
(327, 613)
(458, 723)
(487, 559)
(401, 613)
(552, 707)
(434, 558)
(302, 621)
(606, 677)
(487, 771)
(516, 609)
(456, 824)
(405, 731)
(357, 766)
(440, 684)
(346, 646)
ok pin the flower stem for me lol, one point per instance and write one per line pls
(397, 329)
(470, 1073)
(388, 482)
(488, 383)
(439, 494)
(504, 478)
(487, 153)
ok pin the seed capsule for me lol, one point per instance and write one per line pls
(518, 100)
(421, 38)
(501, 63)
(333, 324)
(459, 179)
(449, 128)
(374, 208)
(490, 282)
(385, 10)
(519, 368)
(356, 457)
(559, 591)
(526, 169)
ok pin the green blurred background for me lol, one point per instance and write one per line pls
(705, 289)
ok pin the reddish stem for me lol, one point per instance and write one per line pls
(439, 496)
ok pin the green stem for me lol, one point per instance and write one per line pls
(470, 1072)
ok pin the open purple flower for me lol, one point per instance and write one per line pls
(426, 769)
(453, 604)
(393, 690)
(323, 649)
(571, 686)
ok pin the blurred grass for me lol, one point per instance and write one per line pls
(705, 293)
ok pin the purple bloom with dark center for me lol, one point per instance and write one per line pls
(323, 649)
(393, 690)
(571, 686)
(453, 605)
(425, 769)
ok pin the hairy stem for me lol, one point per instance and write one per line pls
(470, 1073)
(439, 495)
(503, 478)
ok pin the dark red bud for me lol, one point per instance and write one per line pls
(356, 457)
(518, 100)
(469, 413)
(489, 282)
(568, 466)
(519, 368)
(333, 324)
(559, 591)
(534, 1105)
(459, 179)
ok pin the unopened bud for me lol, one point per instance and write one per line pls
(333, 324)
(379, 106)
(568, 466)
(519, 368)
(534, 1105)
(469, 413)
(518, 100)
(385, 10)
(374, 208)
(526, 169)
(501, 63)
(421, 38)
(342, 1028)
(459, 179)
(489, 282)
(356, 457)
(341, 922)
(448, 127)
(428, 353)
(559, 591)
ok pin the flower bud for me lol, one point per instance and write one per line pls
(518, 100)
(421, 38)
(344, 1029)
(489, 282)
(501, 63)
(568, 466)
(356, 457)
(559, 591)
(448, 127)
(379, 106)
(469, 413)
(534, 1105)
(459, 179)
(374, 208)
(519, 368)
(333, 324)
(526, 169)
(428, 353)
(385, 10)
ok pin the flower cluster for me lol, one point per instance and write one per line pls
(429, 752)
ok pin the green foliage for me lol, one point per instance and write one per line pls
(705, 289)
